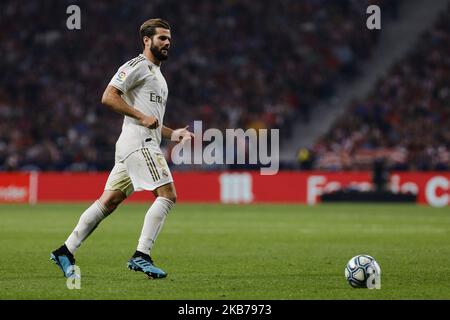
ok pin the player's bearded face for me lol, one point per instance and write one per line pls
(160, 52)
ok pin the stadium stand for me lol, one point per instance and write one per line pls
(404, 121)
(260, 64)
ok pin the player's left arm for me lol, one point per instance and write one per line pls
(166, 132)
(180, 135)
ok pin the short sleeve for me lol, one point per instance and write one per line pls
(128, 76)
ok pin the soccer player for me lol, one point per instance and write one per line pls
(139, 92)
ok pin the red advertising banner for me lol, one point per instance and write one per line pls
(225, 187)
(18, 187)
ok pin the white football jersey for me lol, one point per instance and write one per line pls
(144, 88)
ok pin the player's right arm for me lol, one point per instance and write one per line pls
(130, 75)
(112, 99)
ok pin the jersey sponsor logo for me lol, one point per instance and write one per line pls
(156, 98)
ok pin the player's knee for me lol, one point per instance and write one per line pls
(115, 201)
(112, 204)
(172, 196)
(112, 200)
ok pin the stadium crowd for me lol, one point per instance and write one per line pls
(405, 120)
(259, 64)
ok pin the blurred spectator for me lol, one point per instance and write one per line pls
(233, 64)
(305, 159)
(405, 120)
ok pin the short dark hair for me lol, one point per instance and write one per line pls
(148, 28)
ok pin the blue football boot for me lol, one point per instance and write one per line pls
(65, 261)
(144, 263)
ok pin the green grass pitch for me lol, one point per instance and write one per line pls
(231, 252)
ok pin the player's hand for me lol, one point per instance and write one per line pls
(182, 135)
(149, 122)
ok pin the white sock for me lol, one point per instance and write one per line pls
(89, 220)
(153, 222)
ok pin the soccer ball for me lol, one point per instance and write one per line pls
(360, 269)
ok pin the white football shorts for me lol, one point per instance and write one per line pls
(141, 170)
